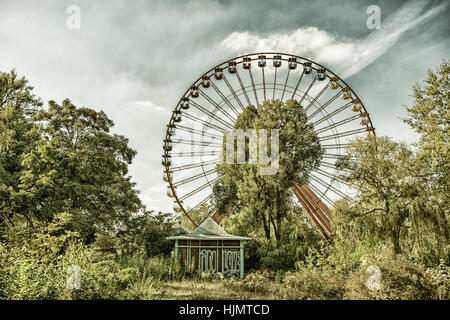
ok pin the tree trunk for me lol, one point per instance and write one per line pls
(266, 226)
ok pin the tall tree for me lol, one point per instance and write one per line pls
(391, 205)
(17, 105)
(430, 117)
(263, 201)
(79, 167)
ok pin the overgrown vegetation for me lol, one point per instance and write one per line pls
(66, 200)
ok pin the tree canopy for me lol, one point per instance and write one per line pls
(430, 117)
(17, 106)
(62, 159)
(403, 193)
(391, 204)
(264, 201)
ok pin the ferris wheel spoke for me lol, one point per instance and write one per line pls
(195, 154)
(219, 108)
(198, 132)
(233, 92)
(337, 124)
(194, 165)
(242, 87)
(298, 83)
(264, 83)
(332, 177)
(274, 83)
(224, 98)
(212, 115)
(328, 165)
(332, 114)
(336, 156)
(317, 97)
(205, 123)
(307, 90)
(253, 85)
(285, 83)
(342, 134)
(335, 146)
(197, 190)
(195, 177)
(198, 205)
(197, 143)
(322, 195)
(324, 105)
(328, 186)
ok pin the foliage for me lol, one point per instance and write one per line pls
(269, 255)
(78, 167)
(17, 106)
(31, 260)
(430, 117)
(35, 264)
(265, 200)
(146, 234)
(391, 205)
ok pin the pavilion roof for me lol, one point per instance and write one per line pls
(208, 230)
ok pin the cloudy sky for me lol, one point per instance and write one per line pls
(134, 59)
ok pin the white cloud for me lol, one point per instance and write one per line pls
(345, 57)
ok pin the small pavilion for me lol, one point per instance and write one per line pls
(210, 249)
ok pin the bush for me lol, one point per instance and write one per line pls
(278, 258)
(35, 264)
(401, 278)
(147, 234)
(31, 260)
(326, 274)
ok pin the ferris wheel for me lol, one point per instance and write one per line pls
(210, 106)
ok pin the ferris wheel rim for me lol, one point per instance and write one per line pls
(239, 60)
(271, 58)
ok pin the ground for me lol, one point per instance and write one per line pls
(214, 290)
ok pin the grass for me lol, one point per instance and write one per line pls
(207, 290)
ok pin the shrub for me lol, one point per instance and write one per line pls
(401, 278)
(278, 258)
(31, 260)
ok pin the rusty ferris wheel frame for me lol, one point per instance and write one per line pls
(213, 100)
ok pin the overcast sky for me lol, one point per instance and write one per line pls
(134, 59)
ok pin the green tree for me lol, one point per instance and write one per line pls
(146, 233)
(264, 201)
(391, 205)
(430, 117)
(17, 105)
(78, 167)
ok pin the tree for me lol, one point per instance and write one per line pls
(78, 167)
(430, 117)
(391, 205)
(17, 106)
(147, 233)
(264, 201)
